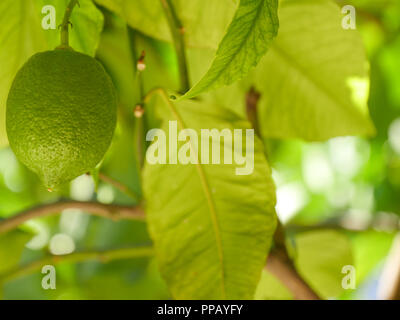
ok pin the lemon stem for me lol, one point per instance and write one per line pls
(65, 23)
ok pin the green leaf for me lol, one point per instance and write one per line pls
(314, 80)
(21, 35)
(11, 246)
(205, 21)
(319, 257)
(370, 248)
(212, 228)
(254, 26)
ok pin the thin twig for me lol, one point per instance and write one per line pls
(102, 256)
(177, 32)
(139, 67)
(137, 60)
(139, 134)
(252, 98)
(111, 211)
(120, 186)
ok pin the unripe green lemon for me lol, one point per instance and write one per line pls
(61, 115)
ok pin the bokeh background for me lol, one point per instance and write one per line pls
(347, 185)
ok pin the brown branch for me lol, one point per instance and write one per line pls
(111, 211)
(285, 271)
(252, 98)
(282, 267)
(279, 262)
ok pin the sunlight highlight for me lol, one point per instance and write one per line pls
(359, 87)
(291, 198)
(61, 244)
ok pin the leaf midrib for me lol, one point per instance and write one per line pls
(208, 195)
(245, 39)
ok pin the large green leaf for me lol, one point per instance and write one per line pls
(319, 256)
(204, 218)
(21, 35)
(248, 37)
(204, 21)
(314, 79)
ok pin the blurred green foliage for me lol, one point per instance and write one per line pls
(346, 182)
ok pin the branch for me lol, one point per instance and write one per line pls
(102, 256)
(110, 211)
(279, 262)
(120, 186)
(138, 61)
(139, 67)
(281, 266)
(284, 270)
(252, 98)
(177, 32)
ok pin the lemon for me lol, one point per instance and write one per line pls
(61, 115)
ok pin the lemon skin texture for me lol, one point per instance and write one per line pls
(61, 115)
